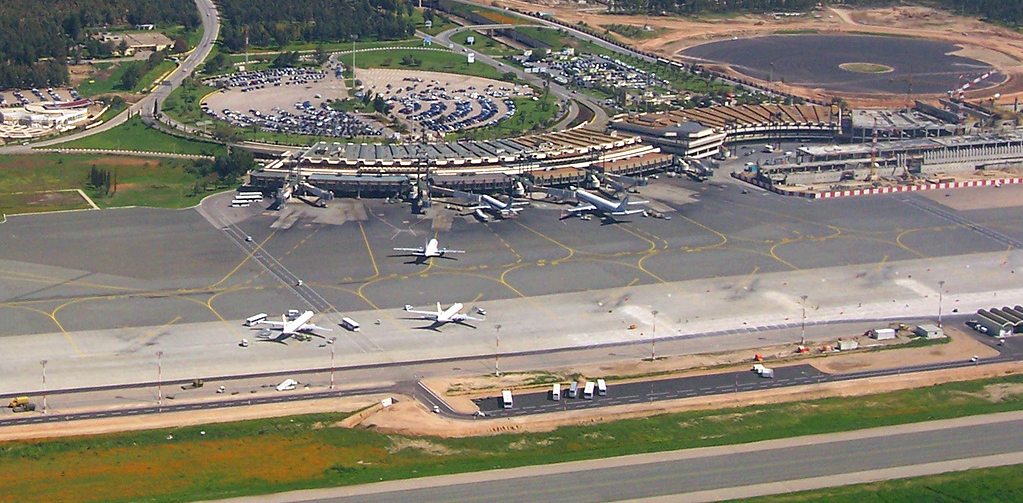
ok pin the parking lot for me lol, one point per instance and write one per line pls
(22, 97)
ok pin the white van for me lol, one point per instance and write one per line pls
(350, 324)
(588, 390)
(601, 387)
(556, 392)
(573, 390)
(256, 318)
(506, 399)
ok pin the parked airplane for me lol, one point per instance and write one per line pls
(592, 203)
(297, 325)
(431, 249)
(488, 204)
(443, 316)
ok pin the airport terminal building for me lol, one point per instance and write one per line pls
(551, 159)
(702, 132)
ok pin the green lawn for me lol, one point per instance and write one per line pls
(135, 135)
(530, 116)
(483, 43)
(430, 61)
(105, 82)
(147, 80)
(988, 485)
(28, 182)
(555, 39)
(183, 103)
(189, 466)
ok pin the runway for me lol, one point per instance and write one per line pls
(717, 473)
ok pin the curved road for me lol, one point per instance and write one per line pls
(211, 30)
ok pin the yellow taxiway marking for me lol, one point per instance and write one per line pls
(152, 333)
(244, 260)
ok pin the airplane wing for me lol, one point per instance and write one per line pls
(313, 326)
(638, 202)
(446, 250)
(410, 250)
(582, 207)
(430, 315)
(626, 212)
(273, 324)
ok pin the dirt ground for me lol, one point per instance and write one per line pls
(1000, 47)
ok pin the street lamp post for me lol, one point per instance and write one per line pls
(802, 325)
(497, 352)
(159, 381)
(941, 286)
(653, 337)
(354, 38)
(331, 362)
(43, 363)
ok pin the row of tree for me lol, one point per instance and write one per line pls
(1008, 12)
(38, 37)
(276, 23)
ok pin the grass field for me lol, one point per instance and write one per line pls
(27, 182)
(483, 43)
(529, 116)
(105, 82)
(988, 485)
(41, 202)
(135, 135)
(230, 459)
(555, 39)
(430, 61)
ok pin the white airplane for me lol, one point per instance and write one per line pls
(443, 316)
(592, 203)
(431, 249)
(288, 328)
(491, 205)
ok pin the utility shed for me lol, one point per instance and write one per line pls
(929, 331)
(847, 345)
(883, 334)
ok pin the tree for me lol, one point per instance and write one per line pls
(180, 46)
(131, 76)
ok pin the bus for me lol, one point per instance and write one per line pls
(249, 197)
(506, 399)
(556, 392)
(256, 318)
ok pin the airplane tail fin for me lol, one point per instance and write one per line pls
(624, 205)
(439, 310)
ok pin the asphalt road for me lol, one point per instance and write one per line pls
(715, 473)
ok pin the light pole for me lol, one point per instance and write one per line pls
(653, 336)
(497, 352)
(331, 342)
(802, 325)
(941, 286)
(354, 38)
(43, 363)
(159, 381)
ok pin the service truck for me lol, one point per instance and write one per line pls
(21, 404)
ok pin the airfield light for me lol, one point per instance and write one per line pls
(802, 326)
(941, 286)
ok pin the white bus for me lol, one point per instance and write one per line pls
(256, 318)
(236, 204)
(350, 324)
(601, 387)
(249, 197)
(556, 392)
(252, 193)
(506, 399)
(588, 390)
